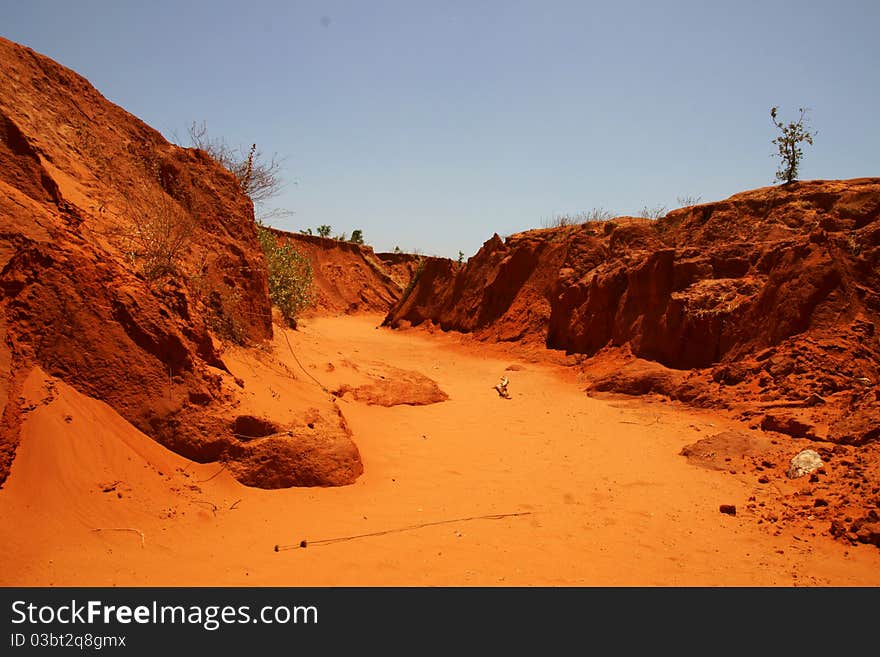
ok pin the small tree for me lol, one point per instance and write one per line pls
(790, 153)
(357, 236)
(324, 230)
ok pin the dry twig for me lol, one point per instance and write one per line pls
(305, 543)
(122, 529)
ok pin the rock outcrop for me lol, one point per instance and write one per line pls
(124, 260)
(771, 295)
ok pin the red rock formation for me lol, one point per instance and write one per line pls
(395, 387)
(122, 259)
(773, 294)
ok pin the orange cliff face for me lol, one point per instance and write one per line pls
(125, 261)
(772, 295)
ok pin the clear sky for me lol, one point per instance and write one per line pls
(431, 125)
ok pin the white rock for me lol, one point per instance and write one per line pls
(804, 463)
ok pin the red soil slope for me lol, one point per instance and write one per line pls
(124, 260)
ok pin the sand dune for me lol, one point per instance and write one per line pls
(592, 491)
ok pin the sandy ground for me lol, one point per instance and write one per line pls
(550, 488)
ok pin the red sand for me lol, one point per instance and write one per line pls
(608, 498)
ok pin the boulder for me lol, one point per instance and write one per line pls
(804, 463)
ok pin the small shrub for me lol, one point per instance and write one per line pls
(291, 282)
(324, 230)
(158, 232)
(657, 212)
(558, 221)
(357, 236)
(259, 178)
(686, 201)
(594, 214)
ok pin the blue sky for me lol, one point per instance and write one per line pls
(433, 125)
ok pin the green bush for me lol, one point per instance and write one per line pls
(291, 282)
